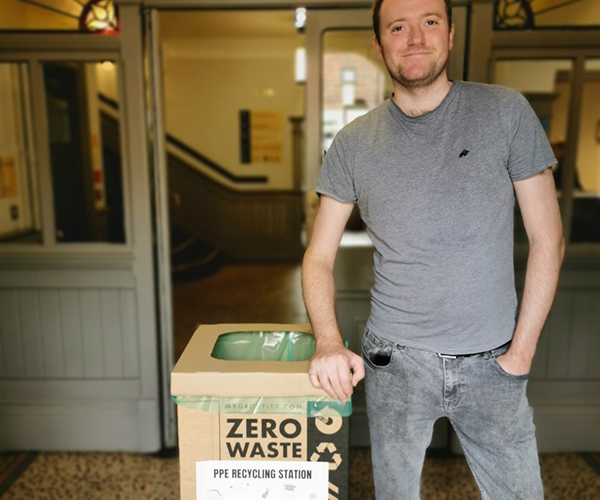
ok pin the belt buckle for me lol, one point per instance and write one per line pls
(446, 355)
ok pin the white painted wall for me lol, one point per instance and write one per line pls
(208, 81)
(540, 76)
(530, 76)
(581, 13)
(106, 80)
(20, 15)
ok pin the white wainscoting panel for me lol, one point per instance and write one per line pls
(59, 333)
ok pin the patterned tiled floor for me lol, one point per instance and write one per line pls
(126, 476)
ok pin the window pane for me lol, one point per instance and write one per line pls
(547, 86)
(586, 197)
(85, 152)
(19, 215)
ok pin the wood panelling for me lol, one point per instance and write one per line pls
(69, 389)
(569, 343)
(29, 320)
(70, 314)
(91, 330)
(58, 333)
(13, 365)
(256, 225)
(129, 335)
(96, 424)
(112, 347)
(558, 325)
(50, 326)
(66, 278)
(579, 357)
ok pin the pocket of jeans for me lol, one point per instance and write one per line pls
(377, 353)
(505, 373)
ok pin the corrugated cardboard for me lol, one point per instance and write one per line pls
(213, 436)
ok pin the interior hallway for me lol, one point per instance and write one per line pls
(249, 293)
(238, 293)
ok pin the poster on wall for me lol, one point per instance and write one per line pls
(261, 135)
(261, 479)
(8, 178)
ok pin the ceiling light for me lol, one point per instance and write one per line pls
(300, 18)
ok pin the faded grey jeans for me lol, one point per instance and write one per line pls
(408, 389)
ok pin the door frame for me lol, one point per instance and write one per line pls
(159, 179)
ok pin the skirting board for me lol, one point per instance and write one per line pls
(117, 425)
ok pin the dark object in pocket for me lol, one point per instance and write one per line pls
(378, 356)
(381, 358)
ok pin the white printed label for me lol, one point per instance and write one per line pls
(258, 480)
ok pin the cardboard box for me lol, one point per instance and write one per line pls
(255, 410)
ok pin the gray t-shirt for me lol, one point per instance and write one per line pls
(435, 192)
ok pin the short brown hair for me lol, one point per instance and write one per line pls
(377, 8)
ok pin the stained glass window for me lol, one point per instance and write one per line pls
(99, 16)
(532, 14)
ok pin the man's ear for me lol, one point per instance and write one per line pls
(451, 37)
(377, 48)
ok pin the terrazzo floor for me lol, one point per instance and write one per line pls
(127, 476)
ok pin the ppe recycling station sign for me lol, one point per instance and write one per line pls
(269, 480)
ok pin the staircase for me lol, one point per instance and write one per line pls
(213, 222)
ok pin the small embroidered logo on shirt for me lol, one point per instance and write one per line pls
(465, 152)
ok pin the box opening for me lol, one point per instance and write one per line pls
(264, 346)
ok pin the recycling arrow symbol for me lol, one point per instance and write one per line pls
(336, 458)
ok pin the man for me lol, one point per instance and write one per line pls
(434, 171)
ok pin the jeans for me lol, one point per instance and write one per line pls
(408, 389)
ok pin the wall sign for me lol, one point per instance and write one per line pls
(261, 136)
(8, 178)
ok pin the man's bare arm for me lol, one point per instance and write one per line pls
(331, 365)
(541, 216)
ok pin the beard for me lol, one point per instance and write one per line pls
(401, 76)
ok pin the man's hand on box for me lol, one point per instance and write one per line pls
(337, 370)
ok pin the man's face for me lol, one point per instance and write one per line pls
(415, 40)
